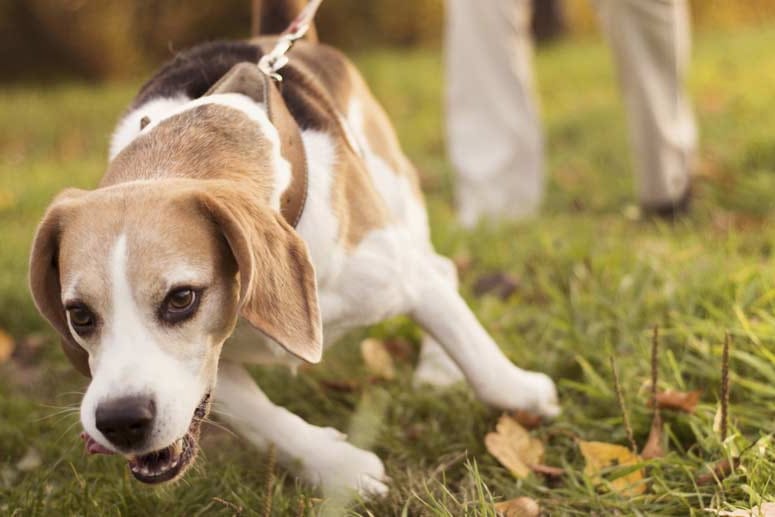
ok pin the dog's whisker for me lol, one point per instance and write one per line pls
(219, 426)
(66, 431)
(67, 393)
(69, 406)
(60, 413)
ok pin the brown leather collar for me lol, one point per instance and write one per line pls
(247, 79)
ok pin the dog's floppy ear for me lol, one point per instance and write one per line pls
(278, 290)
(44, 276)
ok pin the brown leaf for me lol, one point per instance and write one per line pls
(499, 283)
(513, 447)
(674, 400)
(463, 263)
(377, 359)
(527, 420)
(339, 385)
(653, 447)
(601, 456)
(720, 471)
(399, 348)
(7, 346)
(548, 470)
(519, 507)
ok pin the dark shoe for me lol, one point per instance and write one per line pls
(672, 210)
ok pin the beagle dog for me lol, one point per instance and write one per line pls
(244, 221)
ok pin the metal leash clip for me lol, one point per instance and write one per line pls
(277, 58)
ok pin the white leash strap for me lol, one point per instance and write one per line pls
(277, 58)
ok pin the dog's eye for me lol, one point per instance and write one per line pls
(82, 319)
(180, 304)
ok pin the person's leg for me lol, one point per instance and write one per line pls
(651, 44)
(493, 131)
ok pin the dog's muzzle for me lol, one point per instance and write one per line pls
(167, 463)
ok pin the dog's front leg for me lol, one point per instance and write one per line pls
(443, 313)
(435, 367)
(319, 454)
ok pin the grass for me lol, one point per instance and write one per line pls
(593, 281)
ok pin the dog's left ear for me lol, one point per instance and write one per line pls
(278, 289)
(44, 275)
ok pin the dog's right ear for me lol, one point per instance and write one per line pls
(44, 275)
(278, 289)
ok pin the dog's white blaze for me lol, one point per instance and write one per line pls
(130, 361)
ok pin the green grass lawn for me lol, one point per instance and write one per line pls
(592, 282)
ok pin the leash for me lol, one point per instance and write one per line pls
(271, 63)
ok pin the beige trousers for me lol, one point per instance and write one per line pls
(494, 134)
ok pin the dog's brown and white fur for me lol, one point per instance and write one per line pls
(193, 199)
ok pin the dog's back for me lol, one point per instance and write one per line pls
(323, 92)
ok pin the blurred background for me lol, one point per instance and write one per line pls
(111, 39)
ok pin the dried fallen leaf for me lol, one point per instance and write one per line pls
(513, 447)
(377, 359)
(30, 461)
(499, 283)
(340, 385)
(653, 447)
(685, 401)
(527, 420)
(600, 456)
(7, 346)
(463, 263)
(547, 470)
(7, 200)
(719, 471)
(519, 507)
(399, 348)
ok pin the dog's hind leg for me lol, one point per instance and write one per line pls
(443, 313)
(435, 367)
(321, 455)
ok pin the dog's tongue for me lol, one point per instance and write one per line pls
(92, 447)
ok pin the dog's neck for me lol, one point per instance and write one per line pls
(246, 79)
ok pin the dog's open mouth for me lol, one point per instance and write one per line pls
(164, 464)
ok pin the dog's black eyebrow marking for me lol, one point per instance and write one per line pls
(144, 122)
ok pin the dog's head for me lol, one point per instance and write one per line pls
(145, 281)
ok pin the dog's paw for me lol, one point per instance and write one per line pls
(515, 389)
(339, 468)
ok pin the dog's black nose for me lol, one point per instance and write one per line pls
(127, 421)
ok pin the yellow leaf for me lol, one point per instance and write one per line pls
(377, 358)
(6, 346)
(600, 456)
(7, 200)
(519, 507)
(513, 447)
